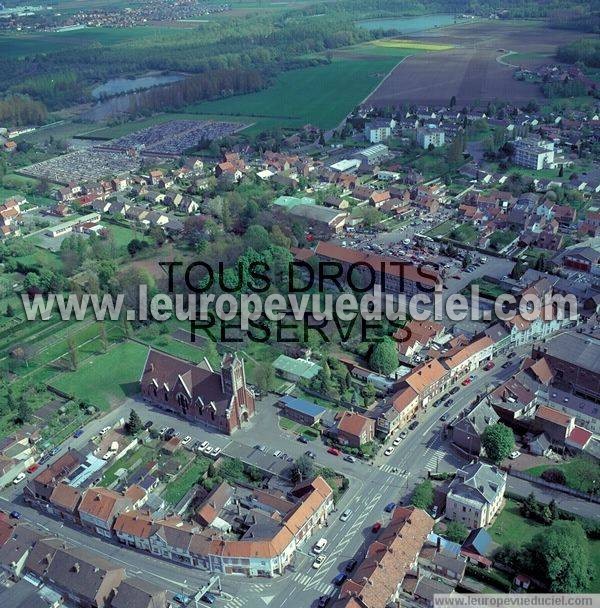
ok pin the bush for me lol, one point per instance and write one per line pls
(554, 476)
(489, 576)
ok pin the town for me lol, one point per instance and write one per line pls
(151, 462)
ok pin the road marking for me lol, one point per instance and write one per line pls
(267, 600)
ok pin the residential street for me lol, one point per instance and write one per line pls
(372, 487)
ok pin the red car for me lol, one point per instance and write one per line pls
(376, 527)
(489, 365)
(33, 468)
(466, 382)
(334, 451)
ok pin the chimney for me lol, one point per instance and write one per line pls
(76, 567)
(439, 543)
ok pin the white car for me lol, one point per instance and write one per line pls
(207, 448)
(108, 455)
(345, 516)
(186, 440)
(389, 451)
(104, 431)
(320, 546)
(202, 446)
(19, 478)
(318, 562)
(215, 452)
(514, 455)
(277, 453)
(397, 441)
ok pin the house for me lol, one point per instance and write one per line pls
(478, 547)
(134, 528)
(79, 575)
(378, 130)
(416, 336)
(135, 592)
(468, 430)
(355, 429)
(321, 219)
(475, 495)
(99, 507)
(42, 485)
(377, 580)
(300, 410)
(533, 154)
(220, 400)
(208, 511)
(63, 502)
(16, 544)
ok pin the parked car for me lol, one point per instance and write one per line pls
(345, 516)
(351, 565)
(413, 425)
(15, 514)
(208, 598)
(302, 439)
(319, 546)
(466, 382)
(323, 601)
(162, 431)
(186, 440)
(77, 433)
(33, 467)
(389, 450)
(318, 562)
(489, 365)
(454, 390)
(182, 598)
(349, 458)
(104, 431)
(215, 452)
(19, 478)
(334, 451)
(448, 402)
(506, 365)
(514, 455)
(277, 453)
(203, 444)
(207, 448)
(310, 454)
(444, 417)
(389, 507)
(511, 355)
(376, 527)
(397, 441)
(149, 424)
(340, 579)
(403, 435)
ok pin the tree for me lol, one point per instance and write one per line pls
(422, 497)
(498, 441)
(303, 469)
(384, 357)
(264, 376)
(134, 424)
(24, 410)
(560, 556)
(10, 311)
(257, 237)
(456, 532)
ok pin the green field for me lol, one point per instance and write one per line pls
(176, 489)
(28, 44)
(581, 473)
(108, 379)
(320, 95)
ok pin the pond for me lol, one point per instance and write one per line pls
(117, 86)
(408, 25)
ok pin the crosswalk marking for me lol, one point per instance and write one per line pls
(236, 602)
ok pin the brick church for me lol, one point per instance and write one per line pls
(218, 399)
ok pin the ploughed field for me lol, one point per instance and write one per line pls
(474, 69)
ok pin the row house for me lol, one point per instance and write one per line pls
(464, 359)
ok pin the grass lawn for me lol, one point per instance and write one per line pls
(510, 527)
(501, 239)
(286, 423)
(441, 229)
(465, 233)
(176, 490)
(321, 95)
(108, 379)
(581, 473)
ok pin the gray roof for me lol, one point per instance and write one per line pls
(477, 481)
(315, 212)
(480, 417)
(137, 593)
(21, 541)
(578, 349)
(77, 570)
